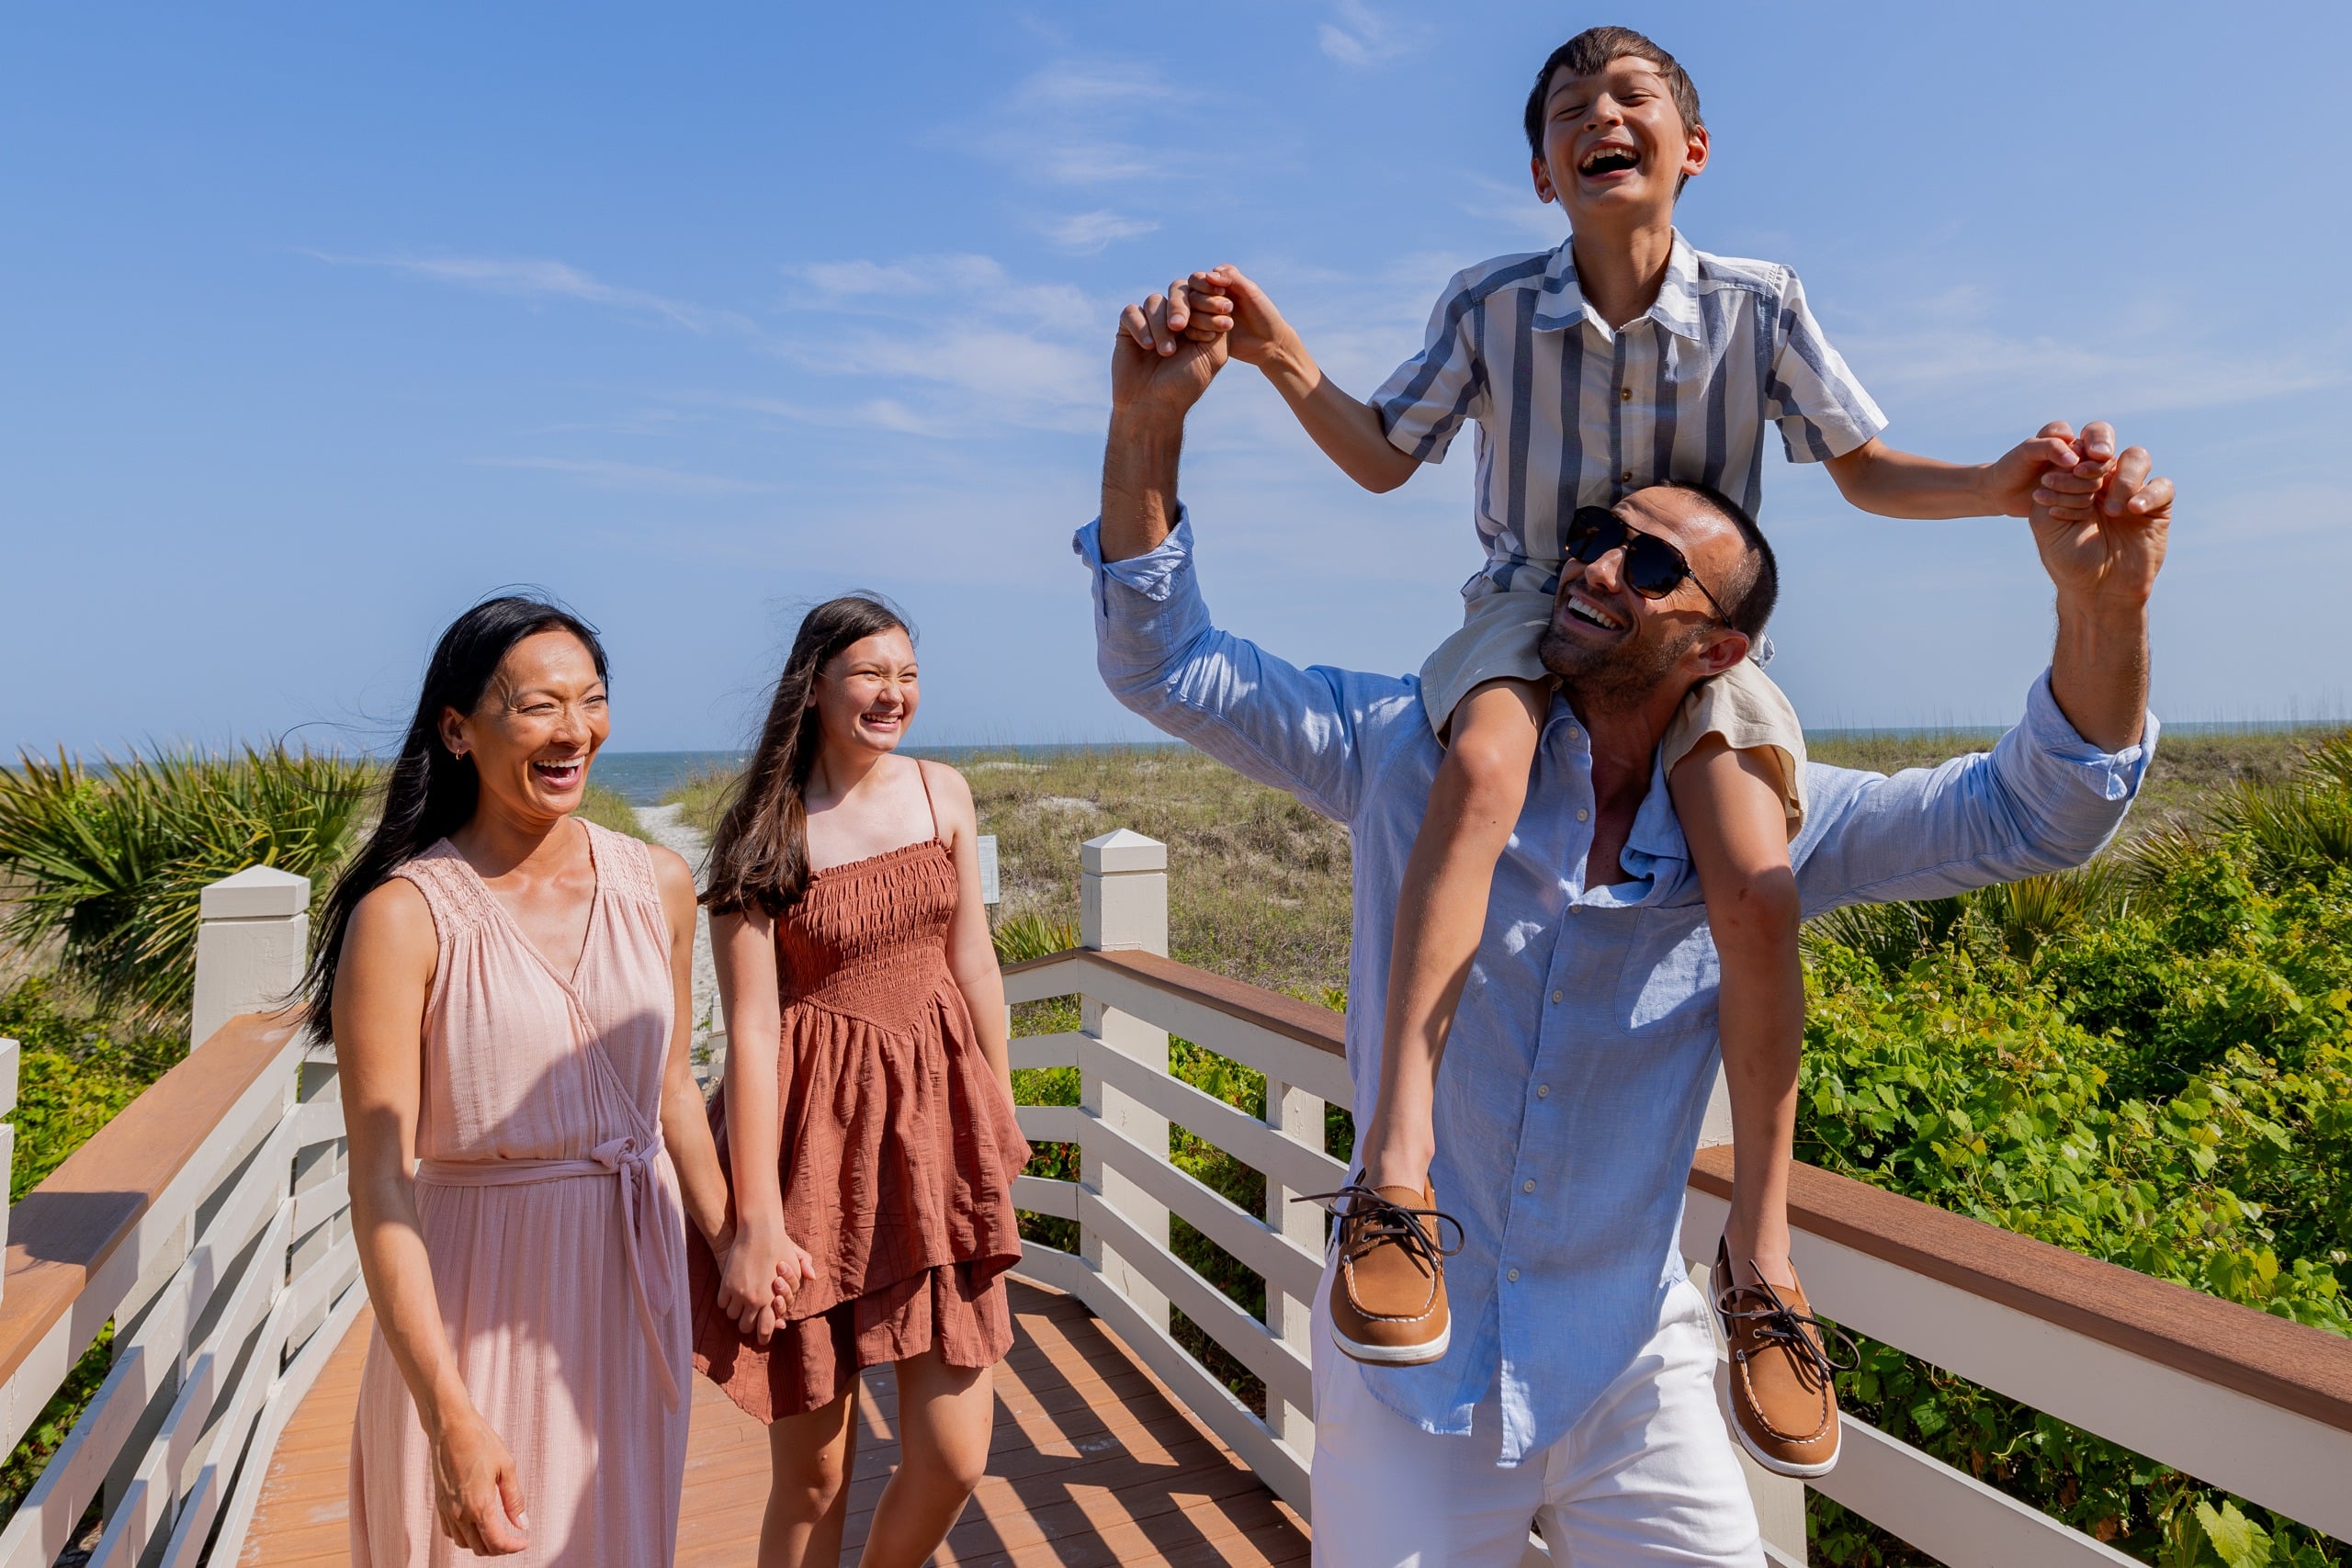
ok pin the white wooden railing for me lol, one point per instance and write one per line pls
(210, 1223)
(2248, 1402)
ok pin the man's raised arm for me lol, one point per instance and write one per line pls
(2056, 788)
(1151, 391)
(1302, 731)
(2104, 567)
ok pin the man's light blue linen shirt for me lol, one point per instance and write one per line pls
(1580, 1062)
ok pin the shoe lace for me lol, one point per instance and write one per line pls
(1370, 1218)
(1777, 1322)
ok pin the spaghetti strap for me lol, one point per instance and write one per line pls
(922, 772)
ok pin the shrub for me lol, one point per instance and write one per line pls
(2162, 1080)
(108, 863)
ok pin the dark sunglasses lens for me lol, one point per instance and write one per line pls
(1593, 532)
(1654, 568)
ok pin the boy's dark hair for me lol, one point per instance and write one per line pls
(1748, 603)
(1588, 53)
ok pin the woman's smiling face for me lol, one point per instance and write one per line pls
(537, 728)
(867, 693)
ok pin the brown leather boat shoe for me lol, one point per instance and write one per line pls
(1389, 1303)
(1780, 1401)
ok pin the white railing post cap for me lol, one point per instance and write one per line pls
(256, 893)
(1122, 849)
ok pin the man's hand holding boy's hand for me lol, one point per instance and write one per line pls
(2047, 471)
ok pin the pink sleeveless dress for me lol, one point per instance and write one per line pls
(898, 1147)
(551, 1215)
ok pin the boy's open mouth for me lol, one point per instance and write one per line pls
(1609, 160)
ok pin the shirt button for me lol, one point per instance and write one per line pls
(1558, 995)
(1627, 478)
(1582, 814)
(1512, 1276)
(1625, 394)
(1528, 1186)
(1543, 1091)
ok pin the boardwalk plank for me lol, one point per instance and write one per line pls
(1093, 1463)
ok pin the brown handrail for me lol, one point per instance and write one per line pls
(2268, 1358)
(70, 1226)
(1302, 1022)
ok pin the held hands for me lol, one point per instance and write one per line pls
(758, 1277)
(1167, 351)
(476, 1493)
(2101, 520)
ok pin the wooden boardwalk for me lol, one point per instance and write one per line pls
(1093, 1465)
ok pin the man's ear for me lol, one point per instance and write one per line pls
(1543, 191)
(1724, 650)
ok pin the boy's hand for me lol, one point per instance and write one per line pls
(2070, 487)
(2017, 480)
(1256, 330)
(1186, 313)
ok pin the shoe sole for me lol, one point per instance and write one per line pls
(1393, 1355)
(1776, 1465)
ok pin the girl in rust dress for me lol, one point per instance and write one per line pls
(867, 1113)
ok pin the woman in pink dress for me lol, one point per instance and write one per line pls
(508, 986)
(867, 1110)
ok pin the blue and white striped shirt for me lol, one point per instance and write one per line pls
(1572, 414)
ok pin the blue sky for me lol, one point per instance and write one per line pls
(316, 323)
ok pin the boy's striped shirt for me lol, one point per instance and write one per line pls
(1570, 413)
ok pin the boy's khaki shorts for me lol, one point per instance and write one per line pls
(1498, 642)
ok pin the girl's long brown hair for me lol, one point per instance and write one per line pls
(759, 856)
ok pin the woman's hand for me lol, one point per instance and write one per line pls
(795, 1269)
(758, 1277)
(476, 1492)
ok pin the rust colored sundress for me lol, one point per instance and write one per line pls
(898, 1147)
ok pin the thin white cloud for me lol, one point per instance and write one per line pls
(647, 477)
(1361, 36)
(966, 344)
(2157, 362)
(1078, 123)
(1087, 233)
(541, 279)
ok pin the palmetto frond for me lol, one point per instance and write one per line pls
(110, 862)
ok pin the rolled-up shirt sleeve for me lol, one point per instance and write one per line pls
(1429, 398)
(1298, 730)
(2043, 799)
(1811, 394)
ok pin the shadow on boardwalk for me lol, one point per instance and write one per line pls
(1093, 1463)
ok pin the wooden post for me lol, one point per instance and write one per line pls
(1780, 1499)
(1123, 905)
(8, 1064)
(1297, 1115)
(250, 948)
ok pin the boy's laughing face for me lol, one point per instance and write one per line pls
(1615, 149)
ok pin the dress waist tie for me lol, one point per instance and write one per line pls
(623, 1158)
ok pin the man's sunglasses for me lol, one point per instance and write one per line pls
(1654, 568)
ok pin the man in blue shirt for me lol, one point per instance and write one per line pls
(1577, 1390)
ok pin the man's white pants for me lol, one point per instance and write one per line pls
(1647, 1477)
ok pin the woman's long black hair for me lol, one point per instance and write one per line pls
(760, 854)
(430, 792)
